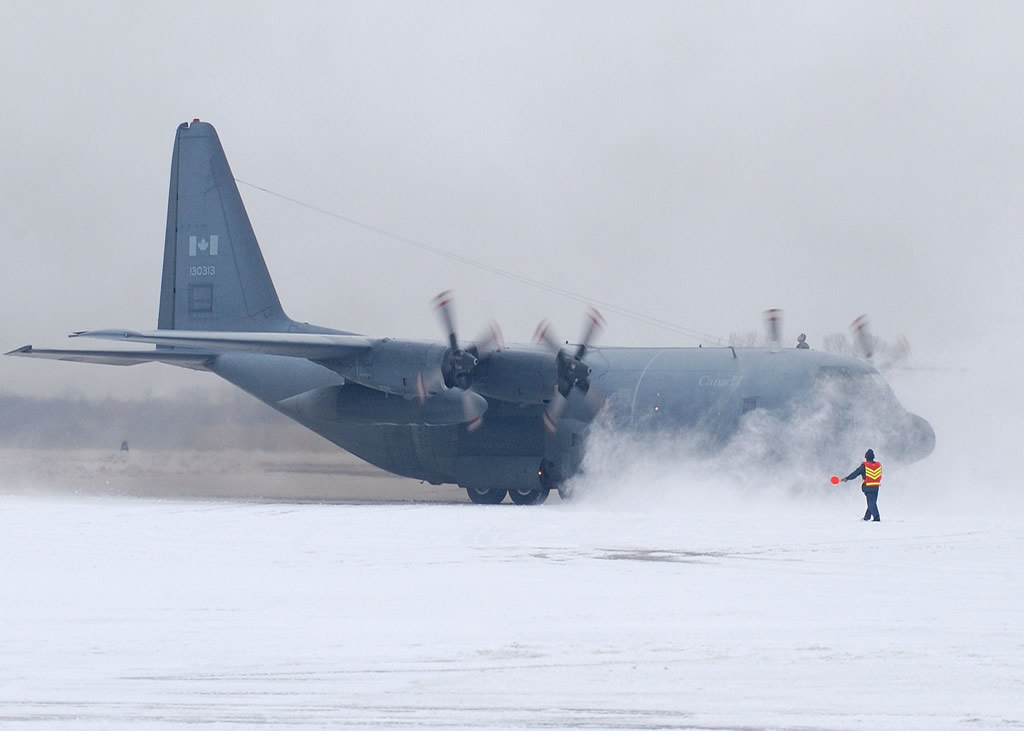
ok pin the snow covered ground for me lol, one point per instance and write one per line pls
(700, 609)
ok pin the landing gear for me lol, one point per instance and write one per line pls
(523, 493)
(529, 497)
(486, 497)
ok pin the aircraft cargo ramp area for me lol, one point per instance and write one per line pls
(121, 609)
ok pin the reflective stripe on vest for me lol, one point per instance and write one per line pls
(872, 474)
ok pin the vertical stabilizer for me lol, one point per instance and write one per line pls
(214, 276)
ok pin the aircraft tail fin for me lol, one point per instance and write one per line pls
(214, 275)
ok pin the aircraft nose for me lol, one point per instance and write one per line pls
(922, 438)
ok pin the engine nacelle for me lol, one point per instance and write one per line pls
(394, 366)
(519, 376)
(355, 404)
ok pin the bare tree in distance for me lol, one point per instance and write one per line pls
(839, 344)
(749, 339)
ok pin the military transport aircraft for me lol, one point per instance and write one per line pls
(494, 419)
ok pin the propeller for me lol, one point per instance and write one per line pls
(773, 329)
(573, 372)
(862, 337)
(891, 354)
(899, 352)
(458, 364)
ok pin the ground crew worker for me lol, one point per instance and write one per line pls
(870, 472)
(801, 342)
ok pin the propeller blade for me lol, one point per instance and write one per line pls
(862, 336)
(443, 306)
(773, 328)
(898, 353)
(595, 401)
(491, 340)
(554, 411)
(544, 335)
(592, 327)
(428, 383)
(421, 388)
(472, 410)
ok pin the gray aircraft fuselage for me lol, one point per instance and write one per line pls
(405, 405)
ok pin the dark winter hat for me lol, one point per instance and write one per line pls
(870, 455)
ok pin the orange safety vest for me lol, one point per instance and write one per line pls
(872, 474)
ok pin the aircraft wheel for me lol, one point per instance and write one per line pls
(529, 497)
(565, 492)
(485, 497)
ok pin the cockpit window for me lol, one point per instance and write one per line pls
(826, 373)
(862, 384)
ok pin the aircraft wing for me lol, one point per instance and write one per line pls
(314, 346)
(197, 361)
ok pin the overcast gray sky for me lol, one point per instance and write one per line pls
(694, 162)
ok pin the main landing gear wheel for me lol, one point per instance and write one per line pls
(529, 497)
(485, 497)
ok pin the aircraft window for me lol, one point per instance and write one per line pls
(829, 372)
(859, 384)
(200, 298)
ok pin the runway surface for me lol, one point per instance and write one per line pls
(683, 611)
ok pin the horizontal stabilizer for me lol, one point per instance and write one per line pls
(314, 346)
(197, 361)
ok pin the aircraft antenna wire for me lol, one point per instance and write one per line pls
(537, 284)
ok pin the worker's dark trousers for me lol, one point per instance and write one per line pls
(871, 493)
